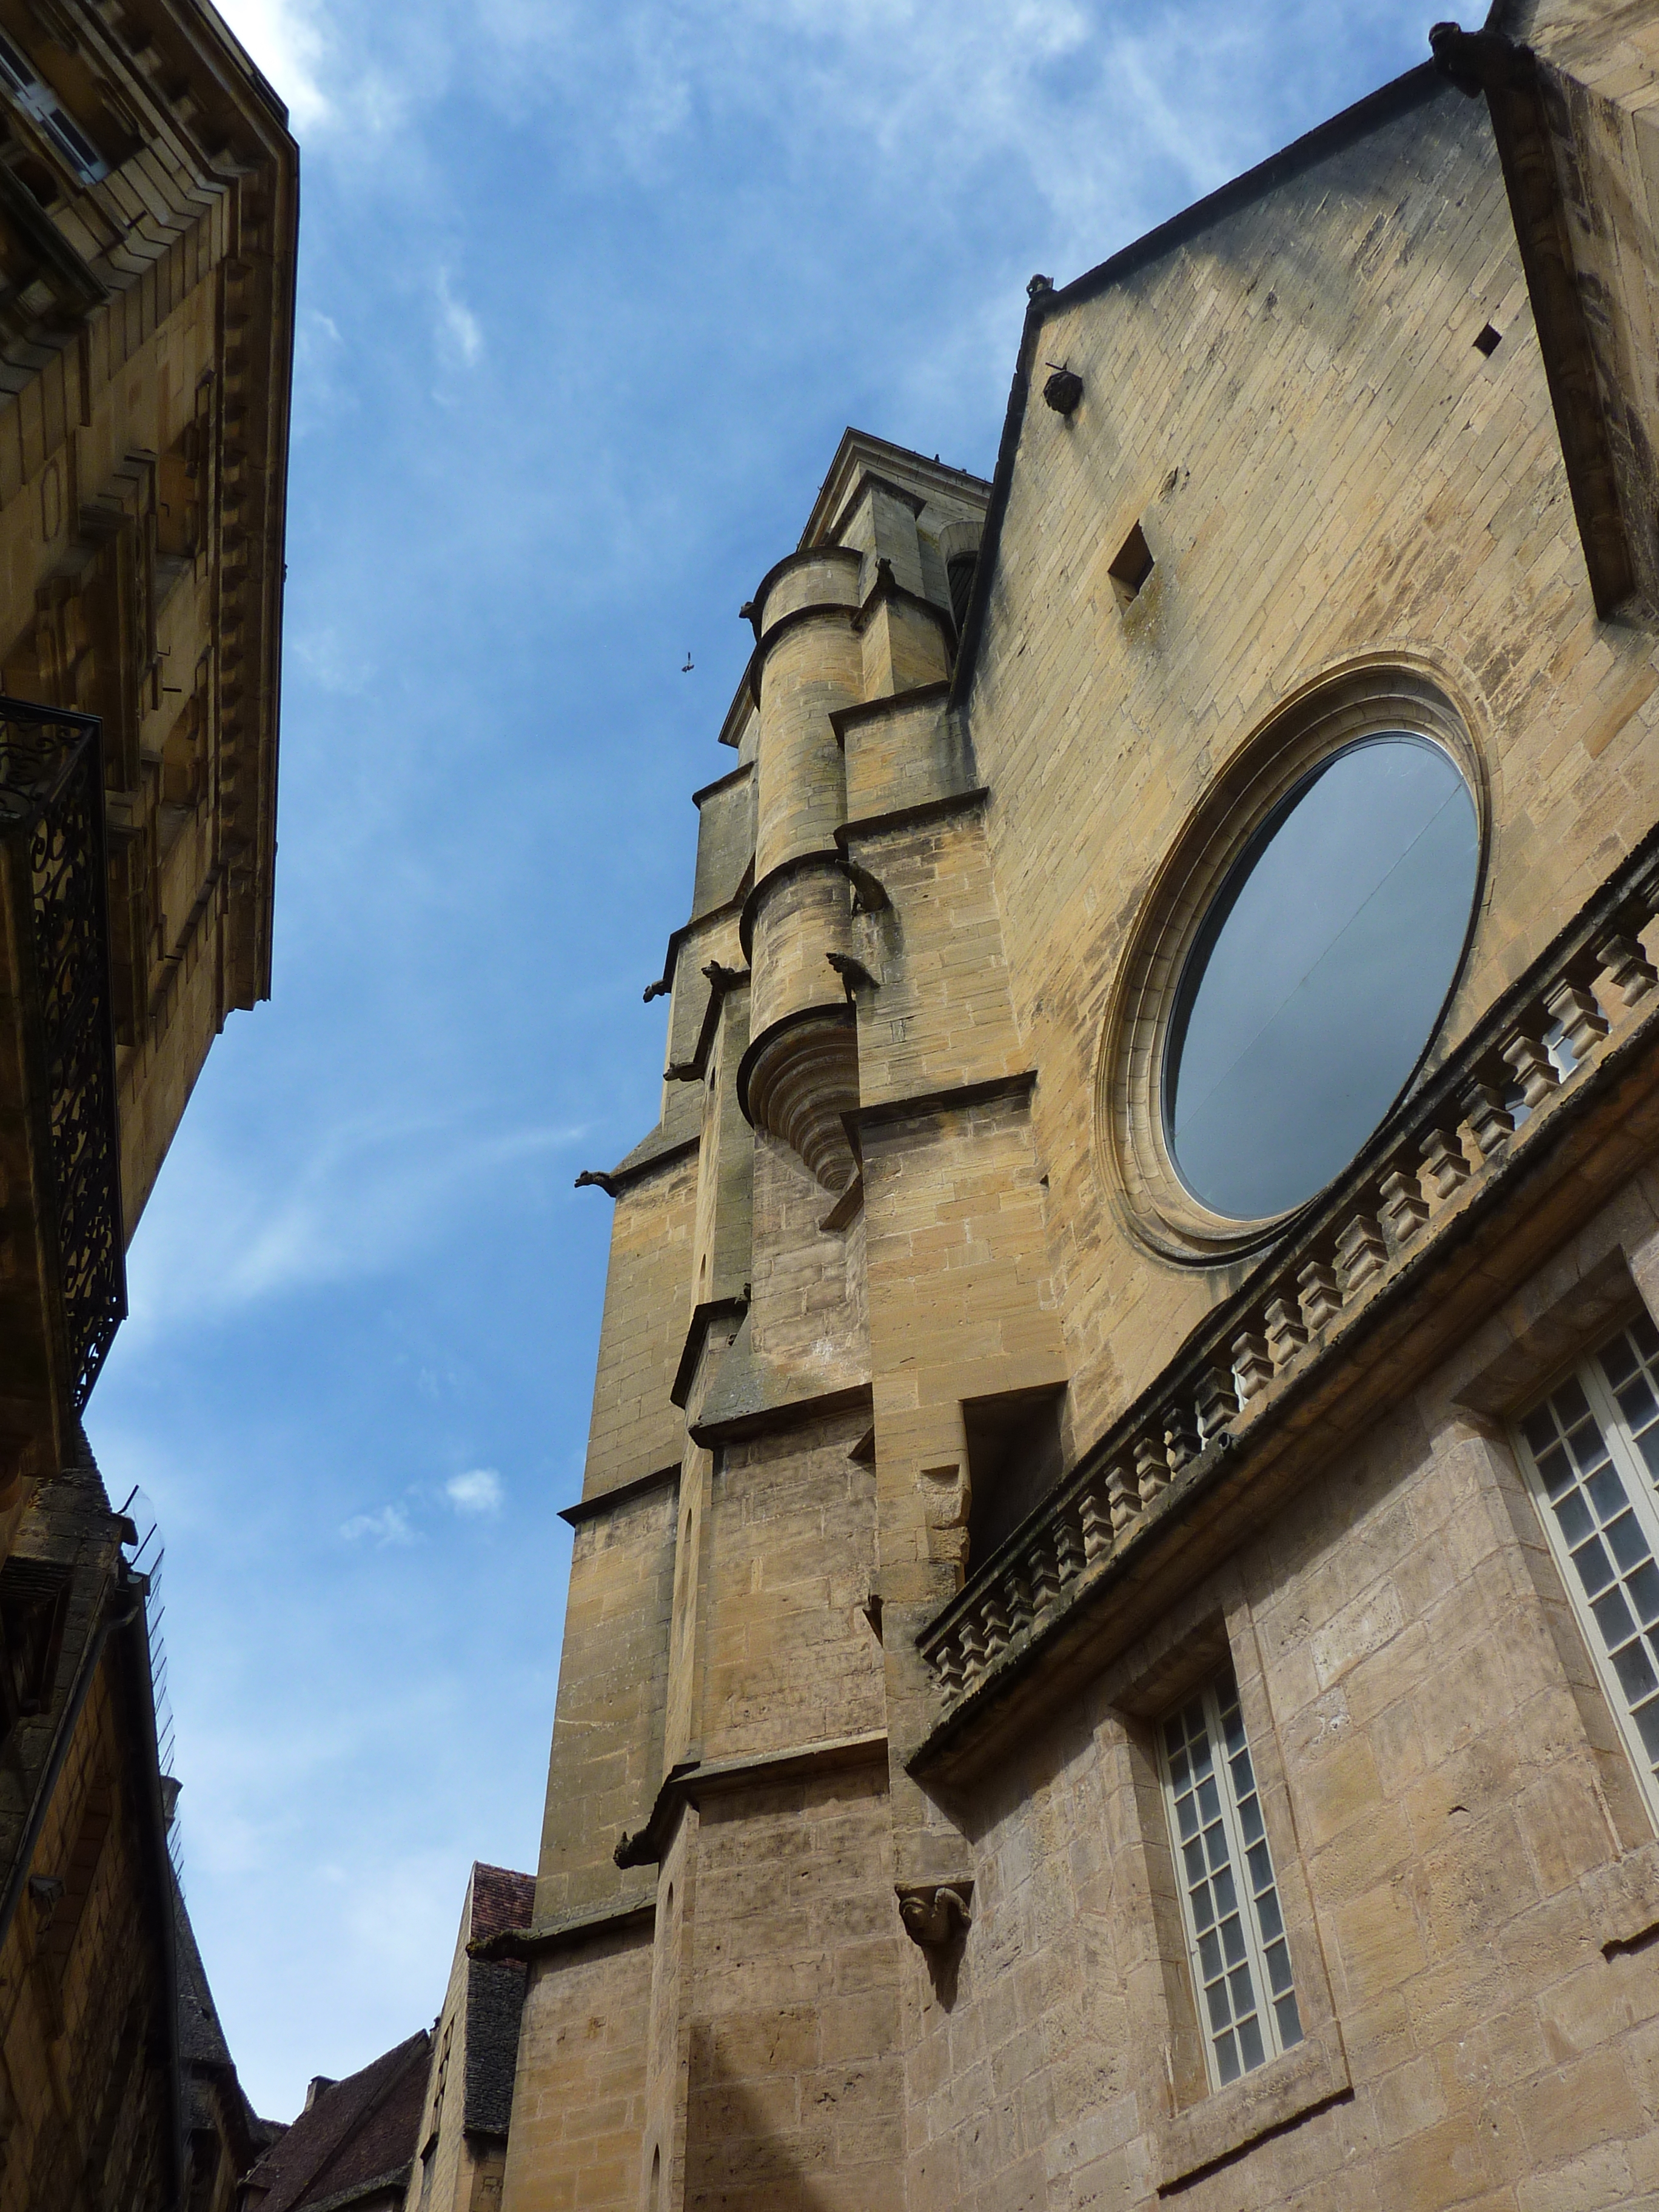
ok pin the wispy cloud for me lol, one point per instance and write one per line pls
(460, 333)
(286, 39)
(241, 1229)
(390, 1525)
(478, 1491)
(1097, 103)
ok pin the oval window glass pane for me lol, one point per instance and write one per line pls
(1320, 974)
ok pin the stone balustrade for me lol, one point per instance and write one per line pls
(1491, 1104)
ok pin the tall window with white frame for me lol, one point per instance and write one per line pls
(1590, 1452)
(1236, 1943)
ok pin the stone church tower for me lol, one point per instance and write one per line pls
(1113, 1645)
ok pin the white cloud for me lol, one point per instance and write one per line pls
(368, 1192)
(389, 1525)
(478, 1491)
(1089, 99)
(460, 336)
(287, 42)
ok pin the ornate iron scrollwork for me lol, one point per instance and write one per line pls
(52, 800)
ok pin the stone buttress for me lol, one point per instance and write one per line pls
(719, 1963)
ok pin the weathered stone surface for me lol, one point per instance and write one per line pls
(1285, 394)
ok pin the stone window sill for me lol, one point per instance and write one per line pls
(1228, 2123)
(1623, 1898)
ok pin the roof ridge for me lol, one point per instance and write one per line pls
(336, 2115)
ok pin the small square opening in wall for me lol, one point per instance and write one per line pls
(1131, 566)
(1489, 340)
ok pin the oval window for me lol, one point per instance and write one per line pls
(1320, 974)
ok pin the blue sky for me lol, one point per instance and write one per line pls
(589, 290)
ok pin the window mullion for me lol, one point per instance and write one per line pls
(1625, 1461)
(1236, 1846)
(1183, 1893)
(1638, 1483)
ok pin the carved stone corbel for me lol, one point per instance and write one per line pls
(934, 1913)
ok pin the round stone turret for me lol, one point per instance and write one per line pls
(799, 1077)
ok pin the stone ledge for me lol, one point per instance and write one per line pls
(623, 1493)
(703, 1318)
(695, 927)
(1225, 2125)
(642, 1160)
(907, 817)
(749, 1397)
(953, 1098)
(723, 782)
(523, 1944)
(1622, 1898)
(888, 705)
(692, 1778)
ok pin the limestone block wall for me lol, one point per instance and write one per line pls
(724, 1236)
(725, 838)
(794, 2082)
(942, 1015)
(901, 753)
(606, 1759)
(806, 1315)
(1328, 473)
(1452, 1823)
(579, 2098)
(86, 2001)
(812, 667)
(647, 1304)
(957, 1266)
(788, 1656)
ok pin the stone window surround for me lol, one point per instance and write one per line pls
(1255, 1957)
(1625, 1460)
(1132, 1148)
(1199, 2130)
(1193, 2127)
(1576, 1311)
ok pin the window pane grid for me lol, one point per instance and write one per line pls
(1591, 1451)
(1240, 1958)
(1630, 1366)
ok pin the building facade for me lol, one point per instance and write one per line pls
(461, 2148)
(1110, 1645)
(148, 222)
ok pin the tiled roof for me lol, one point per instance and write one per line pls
(213, 2093)
(355, 2131)
(201, 2038)
(494, 1998)
(501, 1899)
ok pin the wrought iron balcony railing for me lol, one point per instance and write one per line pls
(51, 817)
